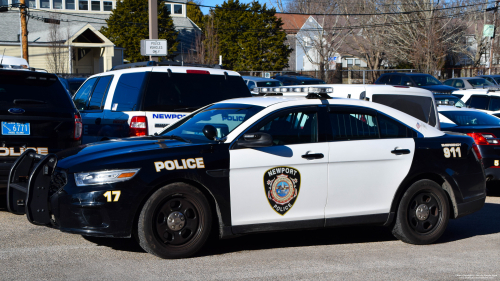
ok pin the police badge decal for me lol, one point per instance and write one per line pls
(282, 185)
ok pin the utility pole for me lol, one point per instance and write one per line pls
(493, 38)
(153, 22)
(24, 30)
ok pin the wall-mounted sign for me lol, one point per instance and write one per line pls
(489, 30)
(154, 47)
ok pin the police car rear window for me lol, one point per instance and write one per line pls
(28, 89)
(419, 107)
(187, 92)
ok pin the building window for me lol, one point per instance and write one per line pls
(70, 4)
(83, 5)
(45, 4)
(178, 9)
(169, 8)
(108, 6)
(57, 4)
(349, 62)
(96, 5)
(15, 3)
(357, 61)
(31, 3)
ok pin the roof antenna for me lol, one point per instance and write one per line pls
(2, 56)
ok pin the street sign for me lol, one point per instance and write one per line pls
(154, 47)
(267, 74)
(489, 30)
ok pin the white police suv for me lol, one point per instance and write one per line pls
(256, 165)
(142, 98)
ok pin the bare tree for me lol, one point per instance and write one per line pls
(57, 54)
(204, 49)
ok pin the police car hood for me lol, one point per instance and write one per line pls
(118, 154)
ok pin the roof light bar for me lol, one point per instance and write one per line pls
(305, 90)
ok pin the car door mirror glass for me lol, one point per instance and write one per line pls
(257, 139)
(210, 132)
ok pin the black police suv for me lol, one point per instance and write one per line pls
(35, 112)
(420, 80)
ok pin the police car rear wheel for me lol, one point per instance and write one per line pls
(175, 222)
(423, 213)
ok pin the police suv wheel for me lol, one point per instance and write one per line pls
(175, 222)
(423, 213)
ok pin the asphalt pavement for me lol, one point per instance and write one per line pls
(469, 250)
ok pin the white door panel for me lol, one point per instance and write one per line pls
(249, 198)
(159, 120)
(363, 175)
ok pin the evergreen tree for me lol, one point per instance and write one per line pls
(128, 25)
(250, 40)
(194, 13)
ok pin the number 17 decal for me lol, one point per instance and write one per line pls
(454, 150)
(109, 195)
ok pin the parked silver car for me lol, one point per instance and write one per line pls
(465, 83)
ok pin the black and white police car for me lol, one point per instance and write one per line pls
(254, 165)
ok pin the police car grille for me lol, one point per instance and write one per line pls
(58, 180)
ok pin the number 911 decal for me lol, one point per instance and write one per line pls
(452, 150)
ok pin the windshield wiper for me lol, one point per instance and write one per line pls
(187, 108)
(174, 137)
(27, 101)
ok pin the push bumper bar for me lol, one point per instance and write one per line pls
(28, 186)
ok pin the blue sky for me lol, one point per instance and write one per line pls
(219, 2)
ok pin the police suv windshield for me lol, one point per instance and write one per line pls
(225, 117)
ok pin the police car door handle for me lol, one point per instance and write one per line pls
(400, 151)
(310, 156)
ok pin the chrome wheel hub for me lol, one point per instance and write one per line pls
(176, 221)
(422, 212)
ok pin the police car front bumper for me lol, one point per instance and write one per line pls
(51, 198)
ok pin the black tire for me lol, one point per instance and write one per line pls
(182, 207)
(414, 226)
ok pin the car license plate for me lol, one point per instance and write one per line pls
(15, 129)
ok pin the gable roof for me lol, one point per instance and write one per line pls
(292, 23)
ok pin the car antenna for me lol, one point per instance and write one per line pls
(3, 55)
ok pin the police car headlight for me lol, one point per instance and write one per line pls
(102, 177)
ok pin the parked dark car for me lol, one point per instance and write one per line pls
(290, 80)
(35, 112)
(420, 80)
(482, 127)
(72, 84)
(495, 79)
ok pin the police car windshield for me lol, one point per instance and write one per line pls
(224, 117)
(471, 118)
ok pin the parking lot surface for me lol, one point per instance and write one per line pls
(469, 250)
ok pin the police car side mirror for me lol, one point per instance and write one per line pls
(255, 140)
(210, 132)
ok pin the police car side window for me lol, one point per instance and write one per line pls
(292, 128)
(100, 90)
(127, 91)
(390, 128)
(353, 126)
(494, 104)
(82, 96)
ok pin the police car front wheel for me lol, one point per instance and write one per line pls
(175, 221)
(423, 213)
